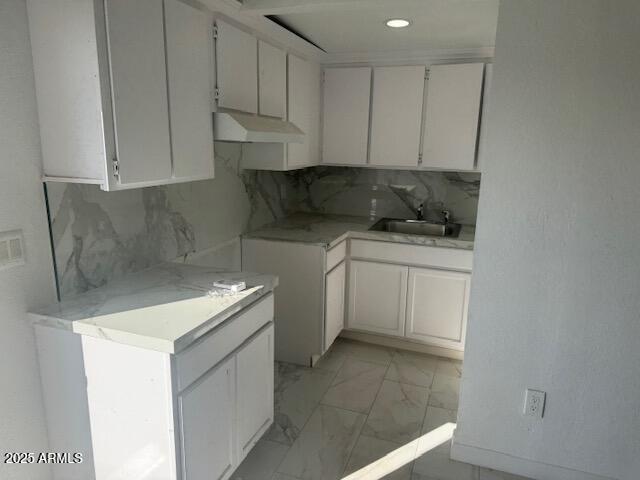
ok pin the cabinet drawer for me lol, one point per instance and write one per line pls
(211, 349)
(438, 257)
(336, 255)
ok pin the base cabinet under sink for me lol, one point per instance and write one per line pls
(424, 300)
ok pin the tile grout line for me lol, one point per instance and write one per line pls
(277, 470)
(395, 351)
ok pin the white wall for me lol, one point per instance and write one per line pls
(22, 424)
(555, 301)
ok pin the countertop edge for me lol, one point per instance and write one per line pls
(148, 342)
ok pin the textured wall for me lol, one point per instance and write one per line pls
(554, 297)
(22, 425)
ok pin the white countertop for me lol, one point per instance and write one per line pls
(329, 230)
(164, 308)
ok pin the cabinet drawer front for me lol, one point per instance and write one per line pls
(336, 255)
(208, 351)
(438, 257)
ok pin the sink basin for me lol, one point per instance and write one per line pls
(417, 227)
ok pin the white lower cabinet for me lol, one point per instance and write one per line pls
(206, 424)
(254, 370)
(140, 413)
(437, 306)
(377, 297)
(419, 293)
(334, 304)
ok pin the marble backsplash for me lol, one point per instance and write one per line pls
(100, 235)
(386, 193)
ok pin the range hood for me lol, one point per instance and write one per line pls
(245, 127)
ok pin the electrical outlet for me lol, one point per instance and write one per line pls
(534, 403)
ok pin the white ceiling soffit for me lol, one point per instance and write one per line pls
(352, 29)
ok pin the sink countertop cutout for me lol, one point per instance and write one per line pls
(329, 230)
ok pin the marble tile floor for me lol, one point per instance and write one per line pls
(360, 402)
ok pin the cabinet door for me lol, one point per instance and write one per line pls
(189, 58)
(139, 89)
(207, 412)
(396, 115)
(334, 304)
(486, 100)
(236, 68)
(377, 297)
(346, 115)
(437, 306)
(272, 80)
(452, 111)
(303, 110)
(255, 389)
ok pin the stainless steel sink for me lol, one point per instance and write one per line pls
(417, 227)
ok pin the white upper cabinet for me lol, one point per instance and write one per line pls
(139, 89)
(189, 65)
(486, 101)
(135, 87)
(346, 115)
(396, 116)
(272, 80)
(237, 68)
(303, 110)
(454, 94)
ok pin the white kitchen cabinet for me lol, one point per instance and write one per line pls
(303, 110)
(135, 412)
(454, 95)
(396, 116)
(139, 89)
(377, 297)
(299, 299)
(486, 102)
(334, 303)
(346, 115)
(188, 32)
(236, 68)
(272, 80)
(135, 84)
(255, 390)
(437, 306)
(207, 413)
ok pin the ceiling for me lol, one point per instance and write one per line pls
(357, 26)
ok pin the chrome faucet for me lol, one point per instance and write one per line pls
(420, 212)
(446, 214)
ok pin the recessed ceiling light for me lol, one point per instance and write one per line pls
(397, 23)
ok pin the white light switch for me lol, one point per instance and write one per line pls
(11, 248)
